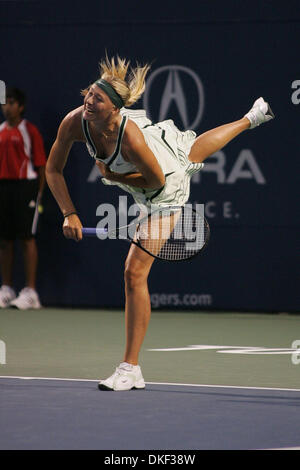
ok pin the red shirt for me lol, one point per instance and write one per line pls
(21, 150)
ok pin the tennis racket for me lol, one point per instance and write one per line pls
(171, 234)
(36, 214)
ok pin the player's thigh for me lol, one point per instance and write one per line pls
(197, 152)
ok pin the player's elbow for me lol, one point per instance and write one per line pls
(56, 160)
(50, 169)
(52, 172)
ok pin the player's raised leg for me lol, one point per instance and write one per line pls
(215, 139)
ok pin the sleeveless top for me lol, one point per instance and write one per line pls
(170, 147)
(115, 161)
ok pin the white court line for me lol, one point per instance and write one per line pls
(157, 383)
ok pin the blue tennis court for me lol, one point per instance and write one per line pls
(64, 414)
(201, 393)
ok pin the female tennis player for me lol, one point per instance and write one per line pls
(154, 162)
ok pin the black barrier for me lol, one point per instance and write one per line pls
(209, 64)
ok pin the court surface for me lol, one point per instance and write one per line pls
(213, 381)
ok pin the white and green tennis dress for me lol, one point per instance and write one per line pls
(170, 146)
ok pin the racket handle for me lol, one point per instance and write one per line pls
(93, 232)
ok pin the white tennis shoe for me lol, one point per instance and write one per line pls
(7, 295)
(27, 299)
(125, 377)
(259, 113)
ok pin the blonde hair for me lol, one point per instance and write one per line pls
(127, 81)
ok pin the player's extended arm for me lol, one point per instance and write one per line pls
(56, 181)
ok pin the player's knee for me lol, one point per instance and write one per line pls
(134, 276)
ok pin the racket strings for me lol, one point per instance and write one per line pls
(174, 235)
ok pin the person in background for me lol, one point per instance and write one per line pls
(22, 180)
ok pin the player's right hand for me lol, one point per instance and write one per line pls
(72, 227)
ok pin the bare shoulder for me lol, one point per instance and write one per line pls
(133, 136)
(135, 148)
(71, 127)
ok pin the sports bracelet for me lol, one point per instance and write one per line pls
(70, 213)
